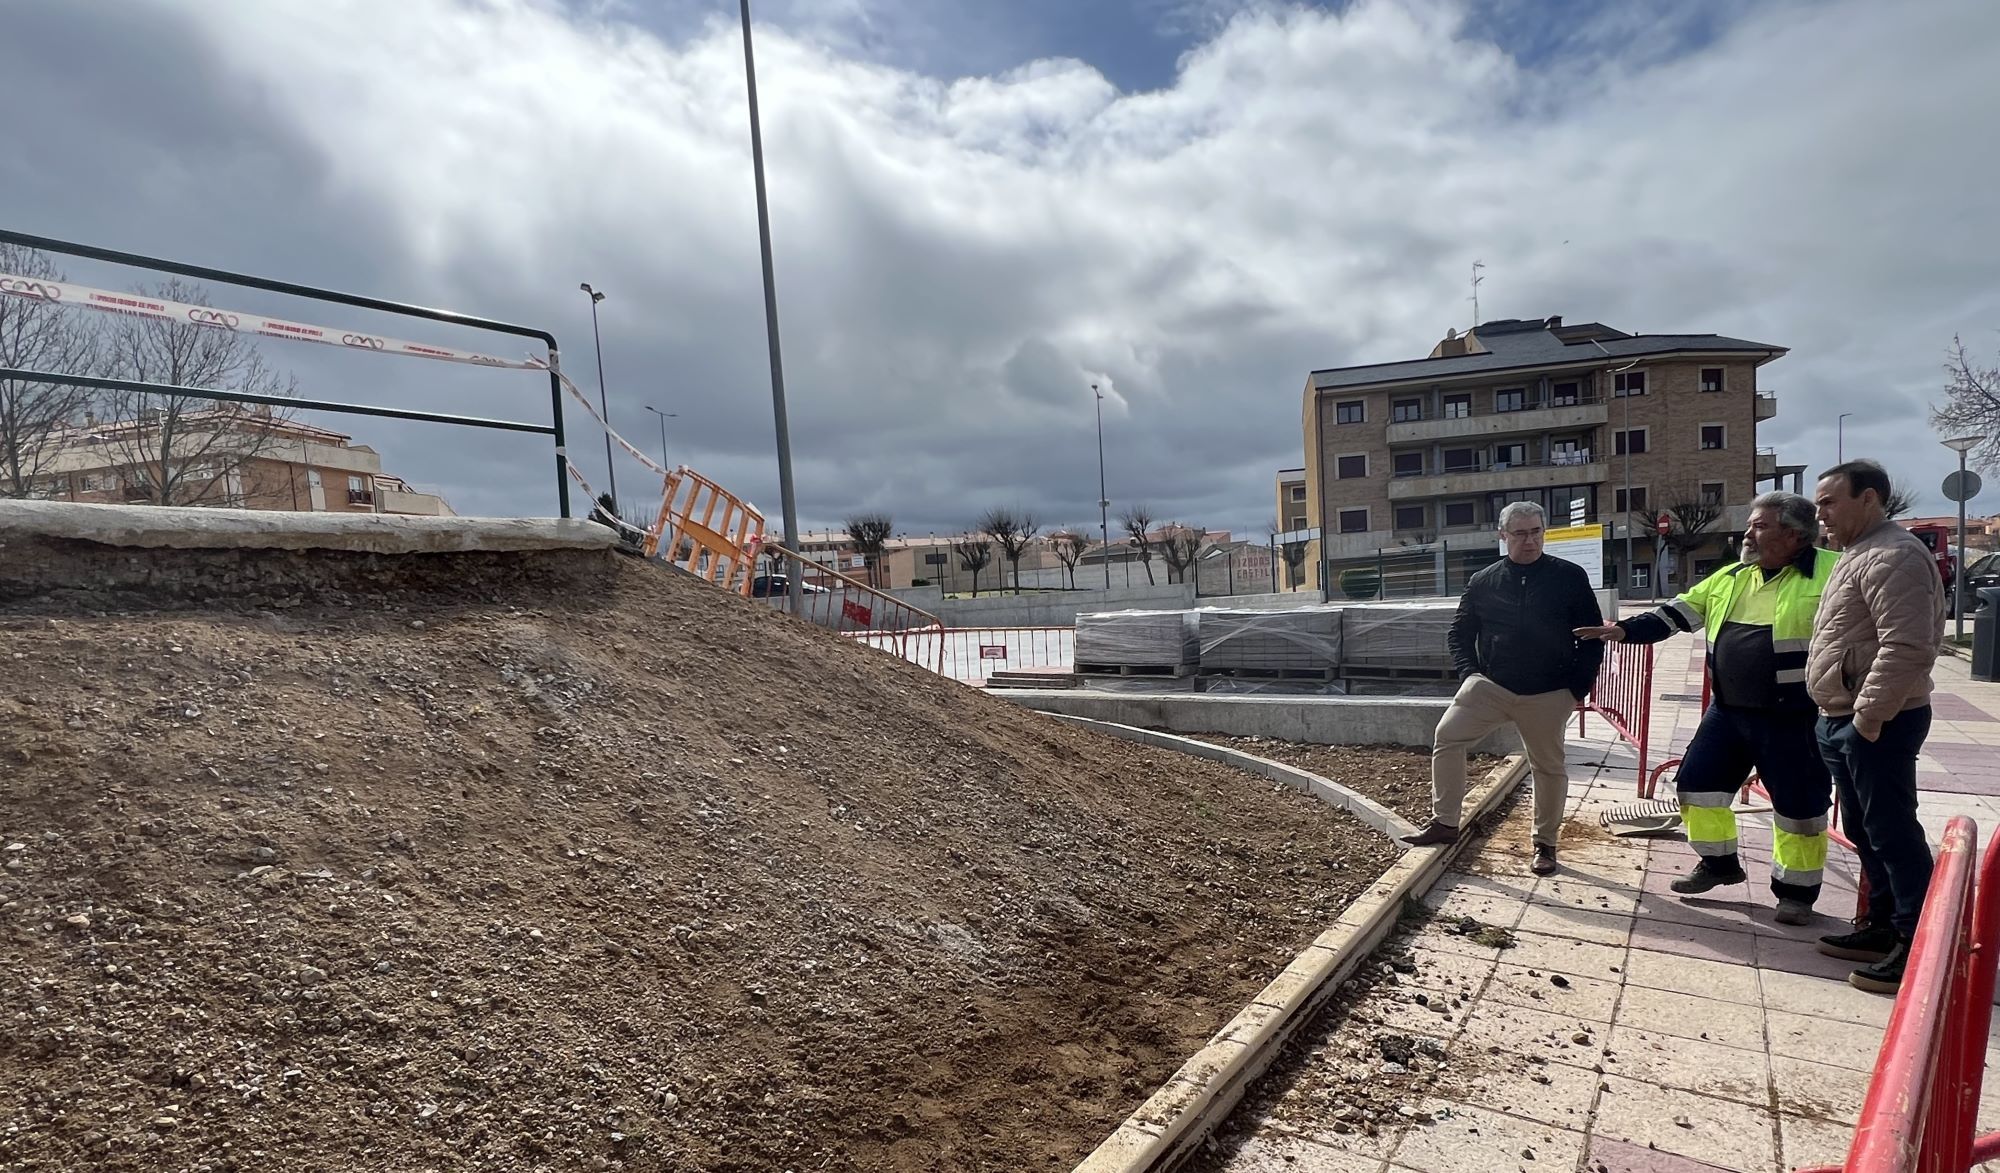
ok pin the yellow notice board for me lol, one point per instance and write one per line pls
(1581, 544)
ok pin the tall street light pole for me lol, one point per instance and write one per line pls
(610, 466)
(1961, 445)
(1103, 498)
(787, 500)
(1840, 437)
(664, 417)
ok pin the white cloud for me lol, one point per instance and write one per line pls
(958, 260)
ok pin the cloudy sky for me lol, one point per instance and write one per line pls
(982, 207)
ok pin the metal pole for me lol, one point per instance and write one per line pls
(664, 417)
(1958, 560)
(1840, 437)
(610, 465)
(788, 501)
(1103, 498)
(1631, 568)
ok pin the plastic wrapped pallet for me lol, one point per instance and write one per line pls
(1398, 635)
(1306, 639)
(1136, 639)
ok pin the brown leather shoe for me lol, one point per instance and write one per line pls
(1545, 860)
(1433, 835)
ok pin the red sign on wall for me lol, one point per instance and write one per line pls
(858, 613)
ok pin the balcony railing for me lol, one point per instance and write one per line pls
(1577, 459)
(1424, 413)
(360, 497)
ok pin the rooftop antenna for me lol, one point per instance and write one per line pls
(1476, 281)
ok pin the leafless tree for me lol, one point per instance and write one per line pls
(177, 449)
(1015, 532)
(37, 334)
(1971, 407)
(1901, 500)
(1691, 516)
(1295, 560)
(1181, 545)
(1138, 523)
(1069, 546)
(870, 534)
(974, 554)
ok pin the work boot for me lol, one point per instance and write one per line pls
(1793, 912)
(1865, 943)
(1886, 975)
(1705, 878)
(1432, 835)
(1545, 860)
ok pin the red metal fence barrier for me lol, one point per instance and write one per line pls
(1922, 1106)
(1623, 696)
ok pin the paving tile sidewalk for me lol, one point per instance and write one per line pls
(1685, 1035)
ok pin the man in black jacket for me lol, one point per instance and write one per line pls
(1513, 645)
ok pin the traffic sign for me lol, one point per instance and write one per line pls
(1664, 525)
(1962, 485)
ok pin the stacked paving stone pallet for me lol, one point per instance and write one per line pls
(1397, 638)
(1297, 644)
(1137, 643)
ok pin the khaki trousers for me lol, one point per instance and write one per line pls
(1482, 706)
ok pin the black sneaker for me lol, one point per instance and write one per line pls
(1886, 975)
(1866, 943)
(1705, 878)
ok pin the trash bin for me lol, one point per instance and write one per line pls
(1986, 636)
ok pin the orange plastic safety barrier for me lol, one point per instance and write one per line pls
(707, 531)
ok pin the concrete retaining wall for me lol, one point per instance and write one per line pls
(1407, 721)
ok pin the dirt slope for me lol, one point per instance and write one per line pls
(547, 862)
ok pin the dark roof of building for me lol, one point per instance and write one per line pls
(1517, 344)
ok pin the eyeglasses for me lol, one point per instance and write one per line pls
(1522, 533)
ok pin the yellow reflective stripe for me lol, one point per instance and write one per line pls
(1796, 858)
(1789, 676)
(1710, 827)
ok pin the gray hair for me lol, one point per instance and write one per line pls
(1795, 513)
(1522, 509)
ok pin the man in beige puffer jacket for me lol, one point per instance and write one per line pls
(1869, 670)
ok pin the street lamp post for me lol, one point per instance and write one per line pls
(664, 417)
(1960, 445)
(1840, 437)
(787, 500)
(610, 466)
(1103, 498)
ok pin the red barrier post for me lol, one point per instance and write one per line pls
(1896, 1132)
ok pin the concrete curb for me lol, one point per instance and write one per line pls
(180, 528)
(1210, 1085)
(1325, 789)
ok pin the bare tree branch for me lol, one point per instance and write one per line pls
(1972, 406)
(974, 555)
(35, 417)
(870, 534)
(1015, 532)
(1138, 523)
(181, 450)
(1069, 546)
(1181, 545)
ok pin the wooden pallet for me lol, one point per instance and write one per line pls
(1163, 670)
(1271, 673)
(1396, 672)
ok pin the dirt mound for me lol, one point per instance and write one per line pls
(563, 862)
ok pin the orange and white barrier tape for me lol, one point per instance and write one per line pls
(137, 305)
(577, 394)
(576, 475)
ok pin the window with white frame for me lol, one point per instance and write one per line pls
(1350, 467)
(1713, 492)
(1410, 517)
(1628, 384)
(1298, 492)
(1714, 437)
(1461, 513)
(1408, 464)
(1354, 411)
(1406, 411)
(1711, 379)
(1511, 399)
(1565, 395)
(1632, 442)
(1457, 407)
(1354, 521)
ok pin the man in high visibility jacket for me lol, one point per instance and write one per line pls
(1758, 616)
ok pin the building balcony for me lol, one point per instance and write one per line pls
(1500, 479)
(1564, 418)
(1767, 462)
(1767, 405)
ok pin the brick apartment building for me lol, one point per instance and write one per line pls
(229, 459)
(1405, 454)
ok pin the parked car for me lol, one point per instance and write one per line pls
(1980, 574)
(766, 586)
